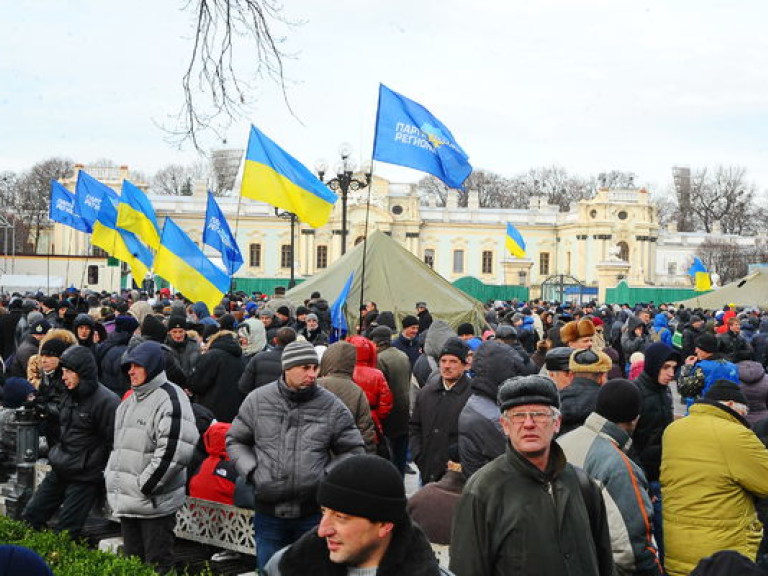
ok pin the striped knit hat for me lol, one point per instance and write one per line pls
(299, 353)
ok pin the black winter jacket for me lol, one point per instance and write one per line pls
(265, 367)
(109, 355)
(214, 381)
(87, 417)
(410, 347)
(577, 401)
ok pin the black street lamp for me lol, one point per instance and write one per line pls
(344, 182)
(285, 215)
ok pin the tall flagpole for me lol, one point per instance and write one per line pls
(237, 226)
(365, 247)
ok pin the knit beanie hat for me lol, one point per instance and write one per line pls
(15, 392)
(266, 312)
(557, 359)
(618, 401)
(284, 311)
(522, 390)
(409, 321)
(590, 360)
(299, 353)
(707, 343)
(53, 347)
(152, 328)
(722, 391)
(366, 486)
(127, 324)
(381, 334)
(465, 329)
(176, 321)
(455, 347)
(301, 310)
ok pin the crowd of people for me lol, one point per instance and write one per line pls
(546, 439)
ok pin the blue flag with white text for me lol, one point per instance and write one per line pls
(407, 134)
(218, 235)
(339, 326)
(89, 195)
(62, 208)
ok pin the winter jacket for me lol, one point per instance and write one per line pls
(8, 324)
(85, 320)
(630, 342)
(656, 411)
(203, 314)
(263, 368)
(690, 334)
(214, 381)
(87, 422)
(408, 553)
(215, 480)
(155, 437)
(371, 379)
(599, 447)
(322, 310)
(336, 369)
(434, 340)
(109, 355)
(315, 337)
(577, 401)
(734, 346)
(432, 507)
(713, 466)
(516, 519)
(282, 440)
(24, 352)
(661, 329)
(714, 368)
(425, 320)
(435, 424)
(409, 346)
(255, 334)
(171, 367)
(754, 385)
(396, 368)
(186, 352)
(760, 344)
(481, 438)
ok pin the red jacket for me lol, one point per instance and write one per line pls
(215, 480)
(371, 379)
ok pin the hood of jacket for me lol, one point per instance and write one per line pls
(140, 310)
(80, 360)
(632, 323)
(215, 439)
(750, 372)
(226, 341)
(492, 363)
(59, 334)
(339, 358)
(660, 321)
(386, 318)
(255, 335)
(201, 310)
(366, 351)
(436, 336)
(150, 355)
(83, 320)
(655, 356)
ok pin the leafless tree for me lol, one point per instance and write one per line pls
(173, 180)
(555, 184)
(668, 209)
(723, 195)
(224, 167)
(234, 46)
(32, 198)
(729, 259)
(494, 190)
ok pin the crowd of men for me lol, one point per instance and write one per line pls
(547, 439)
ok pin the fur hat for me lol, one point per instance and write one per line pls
(590, 360)
(522, 390)
(576, 329)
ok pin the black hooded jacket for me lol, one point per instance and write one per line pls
(87, 418)
(656, 412)
(109, 353)
(215, 379)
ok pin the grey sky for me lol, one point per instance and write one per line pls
(589, 85)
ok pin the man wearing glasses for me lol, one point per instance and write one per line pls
(529, 511)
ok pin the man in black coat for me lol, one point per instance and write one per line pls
(214, 381)
(656, 413)
(266, 366)
(691, 332)
(87, 417)
(577, 401)
(109, 354)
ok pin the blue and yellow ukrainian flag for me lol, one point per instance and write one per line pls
(277, 178)
(183, 264)
(701, 278)
(514, 242)
(136, 214)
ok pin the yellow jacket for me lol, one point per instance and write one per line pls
(712, 466)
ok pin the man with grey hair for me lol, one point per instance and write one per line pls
(529, 511)
(282, 441)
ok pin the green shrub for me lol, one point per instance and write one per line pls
(69, 558)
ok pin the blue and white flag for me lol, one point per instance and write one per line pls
(407, 134)
(339, 325)
(62, 208)
(218, 235)
(89, 195)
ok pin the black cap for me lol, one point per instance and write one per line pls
(618, 401)
(725, 390)
(558, 358)
(707, 343)
(522, 390)
(455, 347)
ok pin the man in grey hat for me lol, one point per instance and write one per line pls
(281, 441)
(529, 511)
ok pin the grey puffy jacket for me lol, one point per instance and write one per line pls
(282, 440)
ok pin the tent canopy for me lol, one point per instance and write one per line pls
(395, 279)
(750, 291)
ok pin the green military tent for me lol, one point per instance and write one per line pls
(395, 279)
(750, 291)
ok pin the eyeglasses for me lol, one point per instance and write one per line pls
(537, 417)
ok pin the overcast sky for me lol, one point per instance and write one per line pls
(590, 85)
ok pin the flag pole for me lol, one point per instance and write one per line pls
(237, 226)
(365, 245)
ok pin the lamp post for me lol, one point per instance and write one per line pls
(343, 182)
(292, 217)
